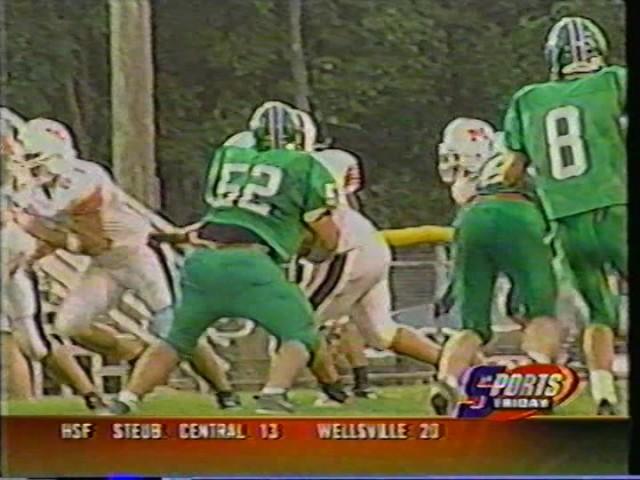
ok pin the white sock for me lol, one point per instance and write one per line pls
(539, 357)
(272, 390)
(603, 386)
(130, 398)
(450, 380)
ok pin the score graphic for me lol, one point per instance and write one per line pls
(499, 393)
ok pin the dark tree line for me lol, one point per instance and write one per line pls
(383, 76)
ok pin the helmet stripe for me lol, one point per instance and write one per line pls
(582, 45)
(573, 38)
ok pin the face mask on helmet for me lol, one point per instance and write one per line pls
(463, 189)
(448, 163)
(575, 46)
(48, 144)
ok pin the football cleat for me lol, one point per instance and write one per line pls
(95, 403)
(228, 400)
(443, 399)
(606, 409)
(118, 408)
(335, 391)
(365, 391)
(324, 401)
(273, 404)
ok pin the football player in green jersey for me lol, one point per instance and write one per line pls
(261, 201)
(500, 230)
(571, 130)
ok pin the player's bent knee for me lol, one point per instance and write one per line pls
(485, 334)
(31, 348)
(184, 349)
(385, 334)
(72, 329)
(310, 340)
(596, 328)
(604, 322)
(465, 336)
(71, 326)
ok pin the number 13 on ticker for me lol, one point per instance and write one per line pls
(270, 431)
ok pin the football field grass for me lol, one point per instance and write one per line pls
(393, 401)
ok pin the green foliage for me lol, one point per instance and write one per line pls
(386, 75)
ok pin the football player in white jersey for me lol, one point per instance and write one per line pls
(14, 364)
(76, 206)
(20, 296)
(355, 282)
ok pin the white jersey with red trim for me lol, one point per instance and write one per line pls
(85, 188)
(345, 167)
(17, 245)
(355, 228)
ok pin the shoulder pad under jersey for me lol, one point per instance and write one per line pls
(344, 166)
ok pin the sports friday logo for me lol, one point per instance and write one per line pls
(499, 393)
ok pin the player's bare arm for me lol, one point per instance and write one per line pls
(43, 230)
(178, 236)
(326, 236)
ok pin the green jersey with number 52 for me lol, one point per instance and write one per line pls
(273, 193)
(573, 133)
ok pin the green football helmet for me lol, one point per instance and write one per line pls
(277, 125)
(575, 45)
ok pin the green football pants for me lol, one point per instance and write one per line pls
(591, 241)
(502, 236)
(239, 283)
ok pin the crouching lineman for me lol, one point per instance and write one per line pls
(20, 295)
(260, 202)
(75, 206)
(500, 231)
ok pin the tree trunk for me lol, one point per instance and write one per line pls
(132, 107)
(298, 65)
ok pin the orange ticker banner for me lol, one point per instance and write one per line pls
(88, 446)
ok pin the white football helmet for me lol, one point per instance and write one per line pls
(498, 143)
(344, 166)
(256, 116)
(10, 122)
(466, 143)
(11, 150)
(305, 122)
(49, 143)
(244, 139)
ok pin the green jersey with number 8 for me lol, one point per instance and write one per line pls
(572, 131)
(273, 193)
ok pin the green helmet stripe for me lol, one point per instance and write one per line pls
(575, 42)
